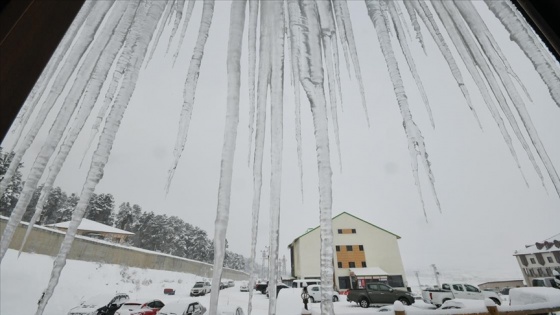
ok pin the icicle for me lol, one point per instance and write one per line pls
(528, 41)
(88, 100)
(408, 56)
(190, 7)
(312, 78)
(164, 17)
(481, 62)
(143, 28)
(416, 144)
(253, 15)
(428, 19)
(328, 32)
(68, 67)
(178, 16)
(262, 89)
(295, 38)
(237, 23)
(343, 15)
(190, 87)
(470, 64)
(414, 20)
(487, 43)
(59, 125)
(47, 74)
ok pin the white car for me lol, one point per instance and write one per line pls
(183, 307)
(244, 287)
(201, 288)
(103, 303)
(314, 292)
(533, 295)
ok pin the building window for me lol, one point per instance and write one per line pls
(550, 259)
(349, 248)
(353, 231)
(364, 264)
(339, 231)
(344, 282)
(351, 264)
(339, 264)
(361, 248)
(337, 248)
(533, 261)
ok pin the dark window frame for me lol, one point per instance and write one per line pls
(351, 264)
(349, 248)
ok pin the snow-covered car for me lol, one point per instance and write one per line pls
(314, 292)
(106, 304)
(244, 287)
(183, 307)
(533, 295)
(479, 305)
(142, 307)
(450, 291)
(279, 287)
(201, 288)
(230, 283)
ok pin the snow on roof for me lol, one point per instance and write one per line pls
(89, 225)
(370, 271)
(548, 245)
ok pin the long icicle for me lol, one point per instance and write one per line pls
(401, 36)
(312, 79)
(415, 24)
(88, 101)
(262, 89)
(274, 11)
(162, 24)
(190, 87)
(252, 49)
(179, 5)
(188, 14)
(143, 29)
(237, 23)
(486, 41)
(528, 41)
(92, 23)
(470, 64)
(416, 146)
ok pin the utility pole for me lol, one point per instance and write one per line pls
(436, 273)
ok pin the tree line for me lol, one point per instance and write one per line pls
(156, 232)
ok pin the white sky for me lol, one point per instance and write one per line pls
(488, 212)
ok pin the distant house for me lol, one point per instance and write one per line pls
(540, 259)
(95, 230)
(500, 285)
(363, 253)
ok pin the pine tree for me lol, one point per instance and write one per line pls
(9, 199)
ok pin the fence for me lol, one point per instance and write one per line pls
(47, 241)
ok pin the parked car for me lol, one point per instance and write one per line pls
(533, 295)
(244, 287)
(460, 291)
(169, 291)
(230, 283)
(261, 286)
(464, 303)
(300, 283)
(379, 293)
(147, 307)
(548, 282)
(201, 288)
(106, 304)
(314, 292)
(279, 287)
(223, 285)
(183, 307)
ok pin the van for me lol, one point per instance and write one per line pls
(544, 282)
(300, 283)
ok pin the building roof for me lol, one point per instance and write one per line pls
(91, 226)
(334, 218)
(500, 281)
(370, 271)
(548, 245)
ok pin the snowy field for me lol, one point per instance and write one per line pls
(23, 279)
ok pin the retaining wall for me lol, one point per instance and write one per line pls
(46, 241)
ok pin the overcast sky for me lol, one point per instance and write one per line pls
(487, 210)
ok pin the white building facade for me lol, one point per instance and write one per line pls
(363, 253)
(540, 259)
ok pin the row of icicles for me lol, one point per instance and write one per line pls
(116, 38)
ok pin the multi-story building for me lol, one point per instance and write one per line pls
(540, 259)
(363, 253)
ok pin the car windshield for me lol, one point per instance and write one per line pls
(131, 306)
(198, 285)
(98, 301)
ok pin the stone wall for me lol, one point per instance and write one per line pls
(47, 241)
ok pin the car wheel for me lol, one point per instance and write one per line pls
(404, 301)
(335, 298)
(495, 300)
(311, 299)
(364, 303)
